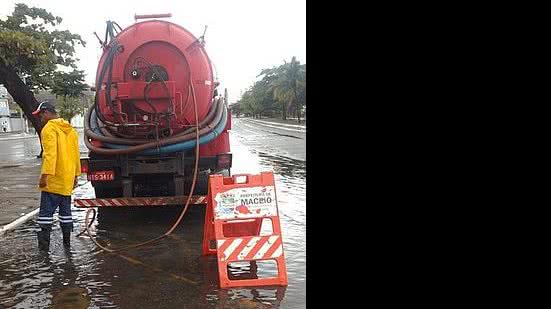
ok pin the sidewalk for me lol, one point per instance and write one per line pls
(12, 136)
(279, 122)
(289, 121)
(19, 175)
(19, 194)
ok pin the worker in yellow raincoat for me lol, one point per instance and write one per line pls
(60, 169)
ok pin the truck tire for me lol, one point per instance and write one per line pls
(202, 186)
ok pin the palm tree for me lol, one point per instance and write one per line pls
(291, 77)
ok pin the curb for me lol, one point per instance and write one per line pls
(27, 217)
(17, 137)
(18, 222)
(277, 126)
(294, 126)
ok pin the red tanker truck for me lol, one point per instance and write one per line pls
(156, 102)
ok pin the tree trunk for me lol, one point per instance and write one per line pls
(22, 96)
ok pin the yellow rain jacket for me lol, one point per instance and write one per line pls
(61, 156)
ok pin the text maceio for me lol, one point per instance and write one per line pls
(256, 200)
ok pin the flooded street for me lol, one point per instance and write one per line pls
(171, 273)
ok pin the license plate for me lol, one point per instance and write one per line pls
(101, 176)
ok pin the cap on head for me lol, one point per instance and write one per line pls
(44, 106)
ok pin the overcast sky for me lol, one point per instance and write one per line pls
(243, 37)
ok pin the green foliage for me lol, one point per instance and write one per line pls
(280, 90)
(68, 107)
(31, 51)
(236, 109)
(29, 46)
(68, 84)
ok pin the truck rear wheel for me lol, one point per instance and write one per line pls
(110, 214)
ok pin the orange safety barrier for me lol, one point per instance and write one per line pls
(236, 208)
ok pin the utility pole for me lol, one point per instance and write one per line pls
(226, 96)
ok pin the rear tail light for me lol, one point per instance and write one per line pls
(224, 160)
(84, 166)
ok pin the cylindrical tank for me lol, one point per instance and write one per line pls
(150, 79)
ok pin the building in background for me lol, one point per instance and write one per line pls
(12, 118)
(11, 115)
(5, 122)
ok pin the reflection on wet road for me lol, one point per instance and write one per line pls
(171, 273)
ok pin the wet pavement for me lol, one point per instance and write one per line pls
(19, 174)
(171, 273)
(282, 141)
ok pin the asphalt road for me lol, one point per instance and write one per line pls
(277, 139)
(171, 273)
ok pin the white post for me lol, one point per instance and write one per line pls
(24, 121)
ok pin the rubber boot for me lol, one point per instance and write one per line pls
(66, 236)
(44, 238)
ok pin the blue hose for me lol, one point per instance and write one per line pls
(187, 145)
